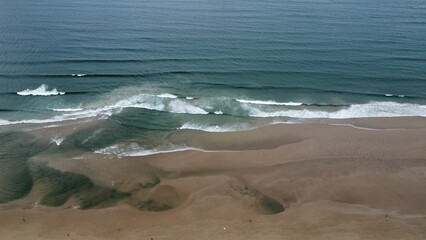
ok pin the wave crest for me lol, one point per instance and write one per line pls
(167, 95)
(40, 91)
(269, 102)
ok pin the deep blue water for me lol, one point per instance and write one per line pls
(149, 67)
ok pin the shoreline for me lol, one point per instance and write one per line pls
(302, 181)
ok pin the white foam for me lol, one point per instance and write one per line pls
(391, 95)
(269, 102)
(372, 109)
(57, 140)
(215, 128)
(78, 75)
(189, 98)
(218, 112)
(133, 150)
(66, 109)
(178, 106)
(40, 91)
(139, 101)
(167, 95)
(4, 122)
(36, 121)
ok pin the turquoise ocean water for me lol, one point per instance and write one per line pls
(146, 69)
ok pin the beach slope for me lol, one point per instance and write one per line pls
(285, 181)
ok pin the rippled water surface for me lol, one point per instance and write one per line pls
(146, 69)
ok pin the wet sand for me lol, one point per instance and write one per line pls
(285, 181)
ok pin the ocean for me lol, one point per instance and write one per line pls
(143, 70)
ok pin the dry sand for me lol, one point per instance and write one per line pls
(286, 181)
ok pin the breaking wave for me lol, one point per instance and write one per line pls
(102, 111)
(114, 102)
(40, 91)
(167, 95)
(78, 75)
(392, 95)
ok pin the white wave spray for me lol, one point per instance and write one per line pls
(40, 91)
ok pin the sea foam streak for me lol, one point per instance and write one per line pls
(215, 128)
(66, 109)
(167, 95)
(40, 91)
(372, 109)
(391, 95)
(133, 150)
(78, 74)
(269, 102)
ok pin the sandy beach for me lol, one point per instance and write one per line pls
(353, 179)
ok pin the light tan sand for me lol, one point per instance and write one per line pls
(334, 182)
